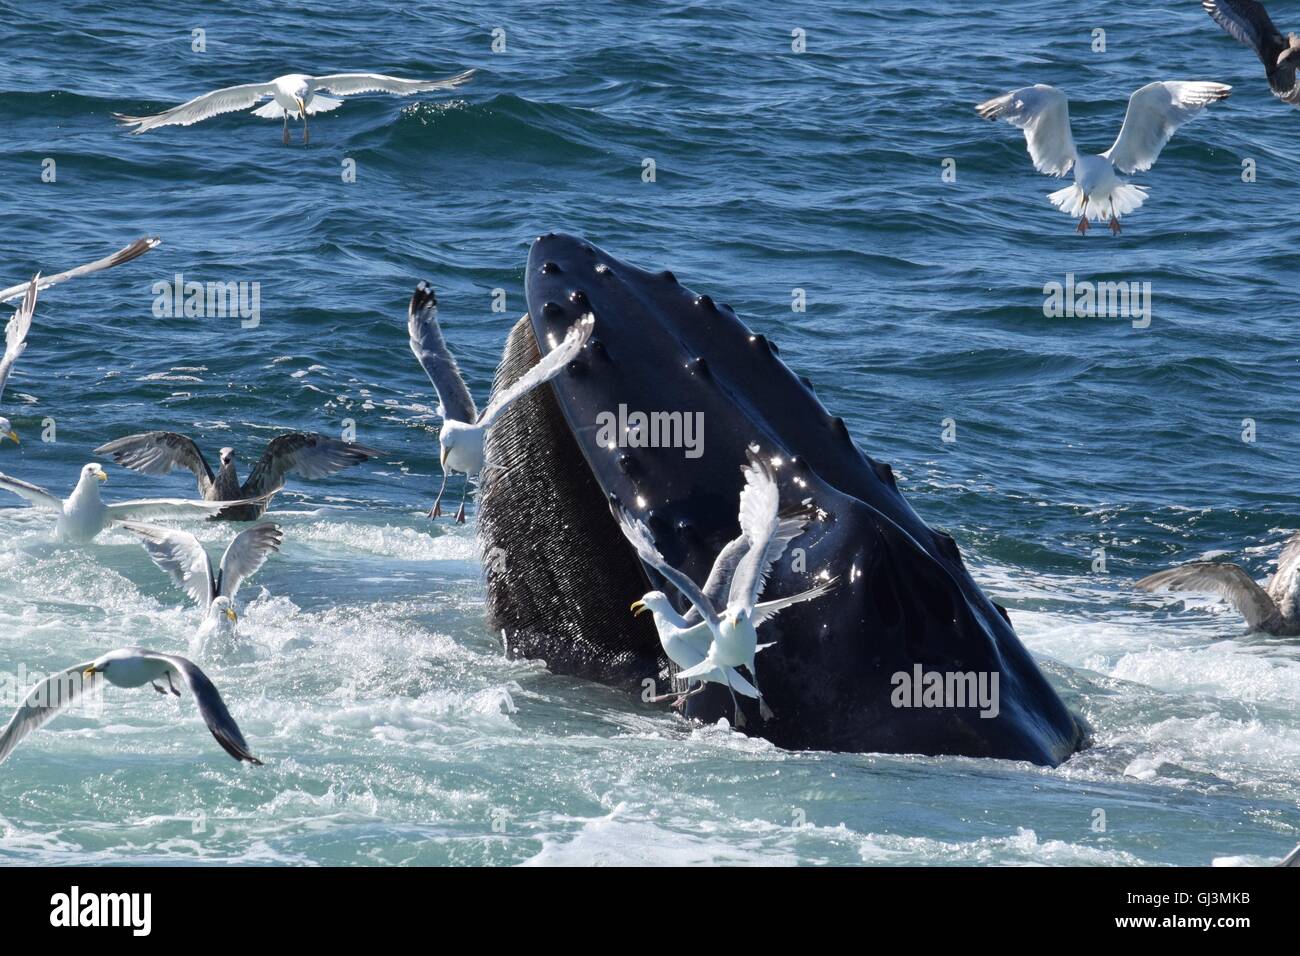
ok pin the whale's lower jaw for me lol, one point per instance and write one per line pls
(561, 576)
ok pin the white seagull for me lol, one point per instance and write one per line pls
(1274, 609)
(464, 427)
(182, 558)
(126, 667)
(83, 514)
(706, 645)
(293, 95)
(15, 344)
(1154, 113)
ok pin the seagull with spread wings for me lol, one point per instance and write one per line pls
(15, 344)
(302, 454)
(719, 632)
(83, 514)
(295, 95)
(1274, 609)
(1248, 22)
(1154, 113)
(126, 667)
(180, 556)
(463, 426)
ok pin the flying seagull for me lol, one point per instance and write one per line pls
(15, 344)
(125, 254)
(181, 557)
(126, 667)
(1154, 113)
(708, 645)
(1248, 22)
(294, 95)
(463, 426)
(83, 514)
(303, 454)
(1274, 609)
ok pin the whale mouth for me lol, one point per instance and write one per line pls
(658, 415)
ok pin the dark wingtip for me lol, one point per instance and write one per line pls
(423, 297)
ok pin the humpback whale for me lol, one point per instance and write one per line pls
(561, 576)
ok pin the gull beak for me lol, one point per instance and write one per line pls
(230, 613)
(302, 110)
(102, 475)
(90, 671)
(638, 607)
(13, 436)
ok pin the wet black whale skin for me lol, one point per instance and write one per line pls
(904, 596)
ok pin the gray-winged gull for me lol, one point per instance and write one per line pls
(293, 95)
(182, 558)
(126, 667)
(301, 454)
(1154, 113)
(464, 427)
(83, 514)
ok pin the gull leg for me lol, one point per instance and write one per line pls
(735, 704)
(1114, 222)
(436, 510)
(304, 127)
(155, 686)
(172, 686)
(764, 711)
(460, 514)
(1083, 221)
(286, 128)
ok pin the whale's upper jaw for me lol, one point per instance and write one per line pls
(905, 596)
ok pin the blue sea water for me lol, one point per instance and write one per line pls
(393, 728)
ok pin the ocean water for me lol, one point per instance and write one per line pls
(392, 726)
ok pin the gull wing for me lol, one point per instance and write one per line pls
(768, 534)
(157, 453)
(767, 610)
(246, 555)
(430, 349)
(1154, 112)
(345, 84)
(724, 565)
(305, 454)
(1228, 581)
(181, 557)
(125, 254)
(1248, 22)
(1043, 112)
(45, 701)
(638, 535)
(16, 330)
(38, 496)
(140, 508)
(225, 100)
(211, 707)
(550, 365)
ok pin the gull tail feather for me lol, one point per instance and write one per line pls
(1121, 201)
(706, 670)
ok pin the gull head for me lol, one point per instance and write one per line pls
(222, 611)
(93, 471)
(656, 602)
(7, 431)
(227, 456)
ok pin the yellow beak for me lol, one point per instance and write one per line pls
(230, 613)
(102, 475)
(14, 437)
(89, 672)
(302, 110)
(638, 607)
